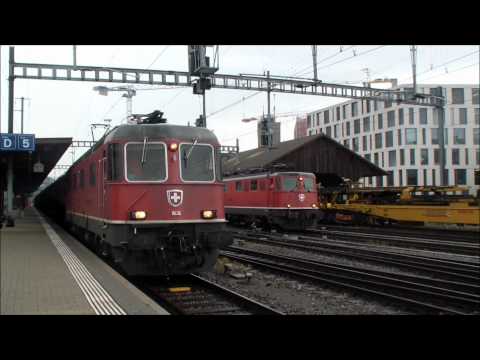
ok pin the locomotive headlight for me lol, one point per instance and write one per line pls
(314, 206)
(173, 147)
(209, 214)
(138, 215)
(288, 205)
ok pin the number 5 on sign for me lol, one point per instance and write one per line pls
(26, 142)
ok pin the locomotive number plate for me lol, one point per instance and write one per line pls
(176, 213)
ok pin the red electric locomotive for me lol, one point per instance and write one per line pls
(286, 200)
(148, 195)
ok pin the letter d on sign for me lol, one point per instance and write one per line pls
(7, 143)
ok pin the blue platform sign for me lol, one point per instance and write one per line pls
(17, 142)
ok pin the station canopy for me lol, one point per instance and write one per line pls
(319, 154)
(48, 152)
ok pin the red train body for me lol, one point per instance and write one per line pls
(149, 196)
(286, 200)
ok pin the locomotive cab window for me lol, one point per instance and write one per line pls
(238, 186)
(146, 161)
(309, 184)
(197, 162)
(253, 185)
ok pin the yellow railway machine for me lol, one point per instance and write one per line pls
(403, 205)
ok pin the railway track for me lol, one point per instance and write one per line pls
(455, 247)
(419, 232)
(459, 271)
(433, 295)
(194, 295)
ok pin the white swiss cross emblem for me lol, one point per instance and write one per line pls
(175, 197)
(301, 197)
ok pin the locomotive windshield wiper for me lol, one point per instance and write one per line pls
(190, 151)
(144, 154)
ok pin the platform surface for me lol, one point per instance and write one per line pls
(43, 270)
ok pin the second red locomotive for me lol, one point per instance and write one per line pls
(147, 195)
(285, 200)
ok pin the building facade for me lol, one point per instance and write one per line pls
(300, 127)
(403, 139)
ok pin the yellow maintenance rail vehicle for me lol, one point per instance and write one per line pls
(407, 205)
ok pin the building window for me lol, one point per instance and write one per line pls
(383, 159)
(462, 116)
(436, 156)
(400, 116)
(424, 136)
(368, 157)
(475, 96)
(368, 105)
(411, 117)
(344, 111)
(378, 141)
(476, 136)
(354, 109)
(366, 124)
(356, 126)
(355, 144)
(466, 156)
(390, 178)
(460, 176)
(309, 121)
(392, 158)
(400, 177)
(423, 116)
(445, 177)
(412, 177)
(375, 158)
(379, 181)
(459, 136)
(391, 118)
(445, 136)
(328, 131)
(375, 105)
(477, 115)
(434, 135)
(380, 121)
(326, 116)
(410, 136)
(346, 143)
(337, 110)
(455, 157)
(412, 156)
(458, 96)
(364, 143)
(433, 178)
(347, 126)
(424, 157)
(318, 118)
(424, 177)
(477, 157)
(335, 131)
(389, 138)
(402, 157)
(399, 137)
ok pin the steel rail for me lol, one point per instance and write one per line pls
(447, 235)
(394, 286)
(206, 298)
(419, 243)
(431, 266)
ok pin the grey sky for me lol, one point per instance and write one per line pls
(65, 109)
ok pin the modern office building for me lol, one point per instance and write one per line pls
(403, 139)
(300, 127)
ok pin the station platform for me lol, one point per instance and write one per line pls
(44, 270)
